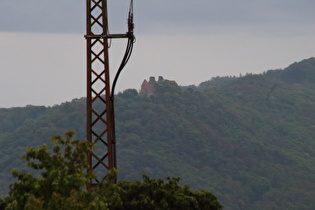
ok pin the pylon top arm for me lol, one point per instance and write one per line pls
(110, 36)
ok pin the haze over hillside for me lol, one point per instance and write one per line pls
(43, 59)
(249, 139)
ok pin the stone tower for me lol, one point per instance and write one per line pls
(148, 88)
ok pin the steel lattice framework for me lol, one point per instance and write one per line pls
(100, 110)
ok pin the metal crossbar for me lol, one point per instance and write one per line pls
(100, 124)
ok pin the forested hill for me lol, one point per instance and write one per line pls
(250, 140)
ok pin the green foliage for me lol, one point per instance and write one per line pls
(158, 194)
(249, 139)
(2, 204)
(216, 82)
(298, 72)
(64, 174)
(244, 138)
(167, 86)
(129, 93)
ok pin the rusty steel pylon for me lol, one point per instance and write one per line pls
(100, 124)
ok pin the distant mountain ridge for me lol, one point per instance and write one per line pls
(299, 72)
(249, 140)
(302, 72)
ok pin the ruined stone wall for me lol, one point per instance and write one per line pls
(148, 88)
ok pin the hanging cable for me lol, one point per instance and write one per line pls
(125, 60)
(129, 48)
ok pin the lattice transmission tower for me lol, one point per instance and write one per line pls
(100, 125)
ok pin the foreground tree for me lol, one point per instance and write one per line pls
(2, 204)
(63, 175)
(161, 194)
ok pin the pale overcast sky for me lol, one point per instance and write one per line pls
(42, 48)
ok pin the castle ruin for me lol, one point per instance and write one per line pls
(149, 88)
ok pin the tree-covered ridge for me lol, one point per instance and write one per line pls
(248, 139)
(299, 72)
(22, 127)
(253, 147)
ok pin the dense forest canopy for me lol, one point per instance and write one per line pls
(249, 139)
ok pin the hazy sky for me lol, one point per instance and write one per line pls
(42, 48)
